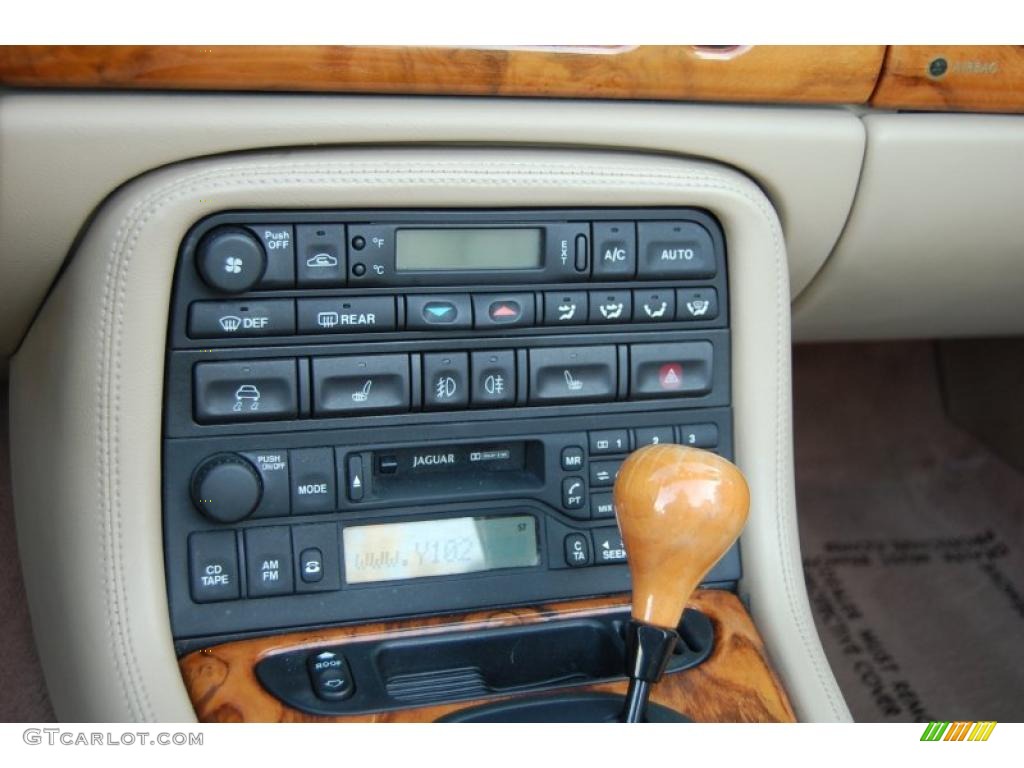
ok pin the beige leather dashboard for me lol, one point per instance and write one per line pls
(92, 544)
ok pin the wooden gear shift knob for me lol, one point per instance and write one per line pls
(679, 510)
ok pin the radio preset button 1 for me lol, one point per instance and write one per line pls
(313, 479)
(320, 255)
(438, 312)
(268, 561)
(573, 375)
(213, 566)
(614, 250)
(670, 370)
(609, 441)
(346, 386)
(279, 244)
(494, 378)
(697, 303)
(657, 306)
(445, 380)
(565, 308)
(242, 319)
(247, 391)
(611, 307)
(347, 315)
(675, 249)
(577, 550)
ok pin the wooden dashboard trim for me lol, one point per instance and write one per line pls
(807, 74)
(735, 684)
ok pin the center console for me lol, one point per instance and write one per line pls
(376, 414)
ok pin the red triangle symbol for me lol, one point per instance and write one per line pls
(504, 310)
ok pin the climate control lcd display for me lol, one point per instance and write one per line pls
(467, 249)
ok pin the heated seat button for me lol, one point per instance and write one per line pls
(438, 312)
(670, 370)
(330, 676)
(577, 550)
(614, 250)
(243, 319)
(213, 566)
(573, 374)
(320, 255)
(257, 390)
(608, 546)
(494, 378)
(313, 480)
(699, 435)
(347, 315)
(675, 249)
(268, 559)
(445, 380)
(505, 310)
(360, 384)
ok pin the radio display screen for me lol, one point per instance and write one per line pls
(467, 249)
(413, 550)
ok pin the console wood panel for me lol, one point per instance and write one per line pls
(781, 74)
(979, 78)
(735, 684)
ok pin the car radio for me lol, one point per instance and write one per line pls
(377, 414)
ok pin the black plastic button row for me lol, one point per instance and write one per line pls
(279, 560)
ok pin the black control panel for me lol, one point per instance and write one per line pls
(376, 414)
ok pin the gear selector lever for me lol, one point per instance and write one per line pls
(679, 511)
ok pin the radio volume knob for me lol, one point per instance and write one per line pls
(226, 488)
(231, 260)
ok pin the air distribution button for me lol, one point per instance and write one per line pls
(226, 488)
(231, 259)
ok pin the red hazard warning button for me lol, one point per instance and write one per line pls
(656, 370)
(670, 375)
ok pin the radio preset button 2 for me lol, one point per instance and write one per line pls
(653, 436)
(347, 315)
